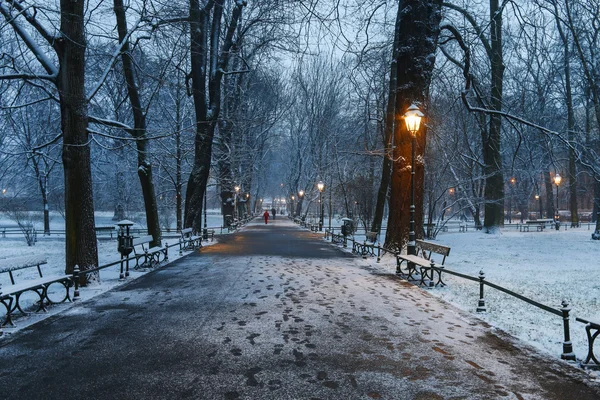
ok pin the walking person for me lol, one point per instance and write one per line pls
(266, 215)
(273, 212)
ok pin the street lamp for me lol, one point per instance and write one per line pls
(320, 186)
(235, 211)
(512, 194)
(412, 117)
(299, 206)
(292, 209)
(557, 181)
(539, 200)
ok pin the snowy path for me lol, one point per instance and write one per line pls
(274, 313)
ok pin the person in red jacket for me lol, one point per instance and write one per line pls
(266, 215)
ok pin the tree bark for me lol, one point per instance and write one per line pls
(386, 170)
(139, 129)
(80, 240)
(209, 60)
(419, 31)
(494, 183)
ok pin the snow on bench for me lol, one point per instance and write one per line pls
(10, 295)
(151, 255)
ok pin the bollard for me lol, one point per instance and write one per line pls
(76, 282)
(121, 274)
(567, 353)
(481, 305)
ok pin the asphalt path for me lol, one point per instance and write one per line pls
(274, 312)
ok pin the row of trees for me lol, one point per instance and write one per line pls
(272, 97)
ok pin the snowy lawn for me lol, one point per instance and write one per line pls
(547, 267)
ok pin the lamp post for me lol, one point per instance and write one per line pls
(557, 181)
(412, 117)
(320, 186)
(539, 200)
(300, 197)
(235, 211)
(512, 194)
(292, 209)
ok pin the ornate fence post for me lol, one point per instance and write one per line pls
(378, 251)
(181, 247)
(364, 249)
(481, 305)
(166, 251)
(76, 283)
(567, 353)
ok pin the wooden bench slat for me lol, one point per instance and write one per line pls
(423, 262)
(33, 284)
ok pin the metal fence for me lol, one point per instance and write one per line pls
(365, 249)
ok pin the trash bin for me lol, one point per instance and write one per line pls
(347, 227)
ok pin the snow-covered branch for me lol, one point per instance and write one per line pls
(32, 45)
(113, 60)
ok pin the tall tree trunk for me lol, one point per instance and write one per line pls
(419, 31)
(139, 129)
(494, 184)
(178, 161)
(80, 240)
(390, 117)
(572, 174)
(209, 60)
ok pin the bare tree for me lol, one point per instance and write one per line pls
(67, 73)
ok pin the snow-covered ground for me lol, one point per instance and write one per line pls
(547, 267)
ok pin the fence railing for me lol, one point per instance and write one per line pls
(591, 361)
(123, 262)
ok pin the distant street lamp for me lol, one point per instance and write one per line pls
(412, 117)
(320, 186)
(235, 211)
(300, 197)
(512, 193)
(539, 200)
(292, 209)
(557, 181)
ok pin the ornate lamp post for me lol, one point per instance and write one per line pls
(292, 209)
(412, 117)
(300, 197)
(320, 186)
(512, 194)
(539, 200)
(557, 181)
(235, 211)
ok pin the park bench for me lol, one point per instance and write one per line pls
(462, 227)
(371, 236)
(423, 261)
(10, 295)
(151, 255)
(206, 233)
(540, 224)
(190, 241)
(592, 330)
(105, 229)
